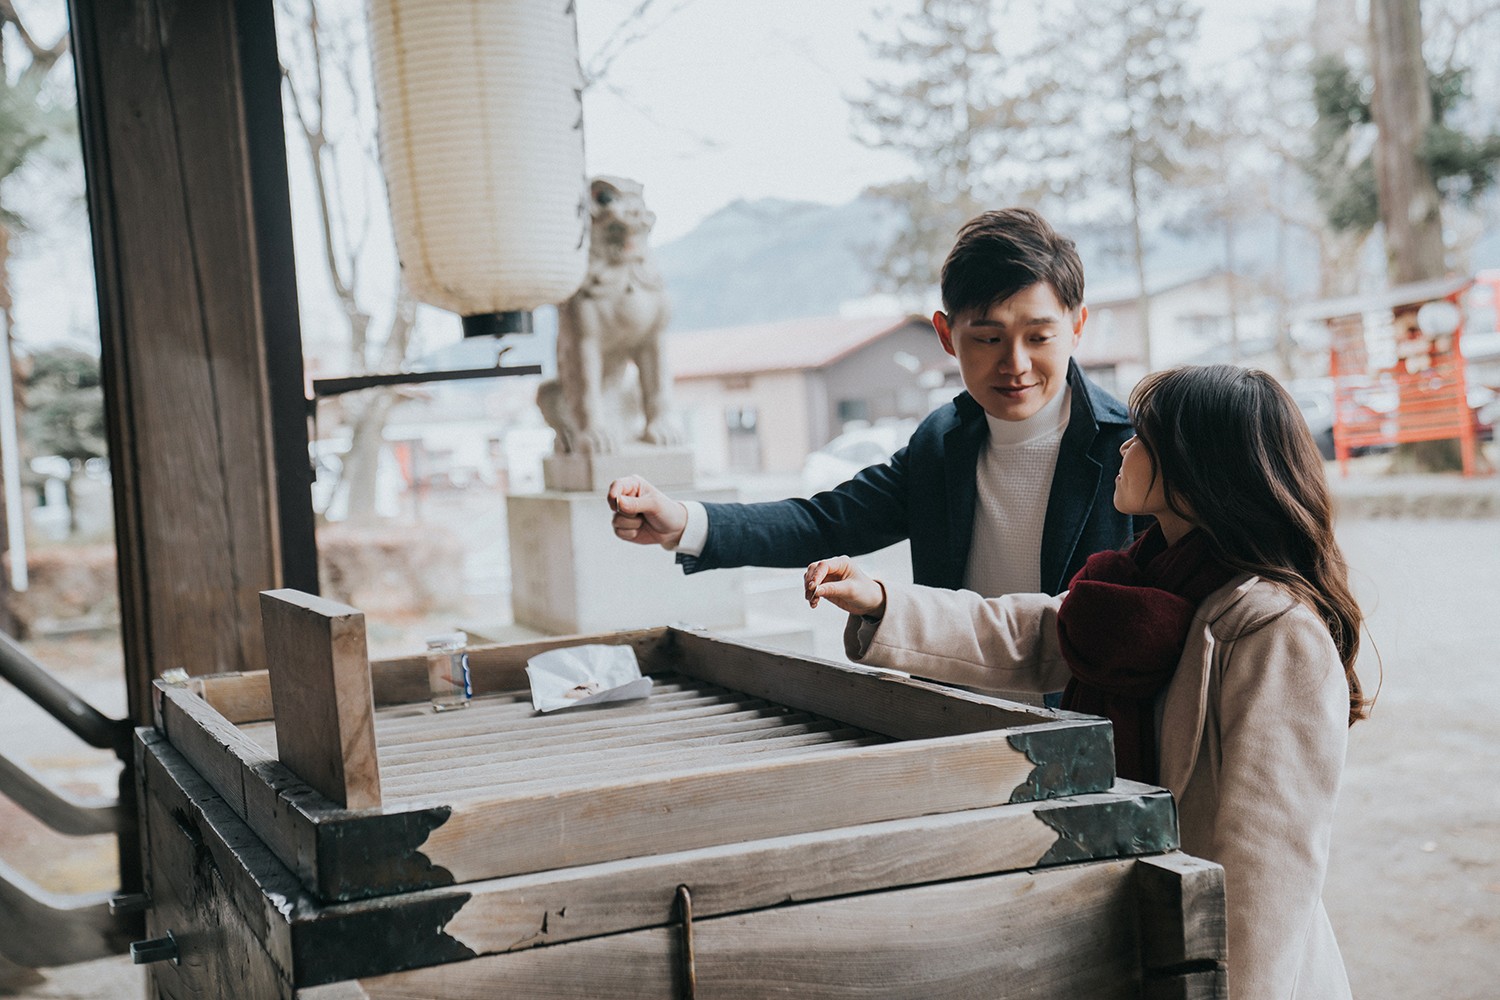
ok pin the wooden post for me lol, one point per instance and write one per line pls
(179, 113)
(321, 695)
(1184, 943)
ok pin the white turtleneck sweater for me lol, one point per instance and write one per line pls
(1013, 481)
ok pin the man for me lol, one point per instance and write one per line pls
(1007, 489)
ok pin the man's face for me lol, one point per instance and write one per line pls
(1014, 358)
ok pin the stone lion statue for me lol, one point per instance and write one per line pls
(615, 319)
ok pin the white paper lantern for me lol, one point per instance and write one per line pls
(481, 140)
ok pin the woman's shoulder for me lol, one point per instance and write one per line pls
(1249, 603)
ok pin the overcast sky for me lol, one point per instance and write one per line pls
(732, 99)
(722, 100)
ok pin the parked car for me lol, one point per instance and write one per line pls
(858, 447)
(1314, 398)
(1485, 402)
(1372, 404)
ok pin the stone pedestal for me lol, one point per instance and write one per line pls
(668, 468)
(570, 574)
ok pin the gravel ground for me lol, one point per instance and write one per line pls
(1414, 881)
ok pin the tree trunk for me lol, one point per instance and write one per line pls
(1138, 252)
(1409, 200)
(362, 461)
(1402, 107)
(70, 497)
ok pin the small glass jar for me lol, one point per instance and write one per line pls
(448, 671)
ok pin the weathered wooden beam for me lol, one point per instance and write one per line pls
(219, 892)
(1184, 944)
(273, 801)
(326, 943)
(320, 690)
(1005, 936)
(246, 697)
(508, 820)
(439, 839)
(184, 211)
(532, 826)
(903, 707)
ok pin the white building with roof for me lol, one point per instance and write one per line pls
(760, 398)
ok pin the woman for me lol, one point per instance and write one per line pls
(1221, 645)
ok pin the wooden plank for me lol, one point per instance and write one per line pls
(552, 907)
(499, 668)
(239, 697)
(645, 733)
(191, 833)
(402, 681)
(1063, 933)
(486, 720)
(181, 328)
(627, 760)
(423, 729)
(543, 825)
(904, 708)
(275, 803)
(320, 688)
(330, 943)
(295, 821)
(497, 748)
(1184, 944)
(590, 769)
(201, 893)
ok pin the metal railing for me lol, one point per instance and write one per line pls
(39, 928)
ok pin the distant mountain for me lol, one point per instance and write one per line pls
(767, 260)
(772, 259)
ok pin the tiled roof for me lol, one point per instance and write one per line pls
(790, 345)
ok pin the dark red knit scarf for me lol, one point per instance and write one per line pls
(1123, 625)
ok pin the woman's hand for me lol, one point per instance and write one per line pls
(844, 585)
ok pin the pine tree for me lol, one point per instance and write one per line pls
(962, 110)
(1129, 108)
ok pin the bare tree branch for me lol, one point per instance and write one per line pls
(1457, 27)
(43, 57)
(702, 140)
(631, 29)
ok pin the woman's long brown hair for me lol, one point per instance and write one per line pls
(1238, 461)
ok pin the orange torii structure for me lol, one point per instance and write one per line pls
(1397, 365)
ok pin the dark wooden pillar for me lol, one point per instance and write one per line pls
(180, 115)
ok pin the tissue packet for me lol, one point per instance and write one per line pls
(585, 675)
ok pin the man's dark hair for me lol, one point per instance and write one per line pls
(999, 253)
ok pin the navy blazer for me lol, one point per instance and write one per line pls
(926, 493)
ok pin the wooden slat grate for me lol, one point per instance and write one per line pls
(500, 744)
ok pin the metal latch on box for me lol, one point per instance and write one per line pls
(689, 968)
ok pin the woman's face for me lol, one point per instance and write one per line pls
(1138, 490)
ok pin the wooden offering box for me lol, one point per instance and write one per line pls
(761, 824)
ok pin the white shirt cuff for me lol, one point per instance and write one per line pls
(695, 534)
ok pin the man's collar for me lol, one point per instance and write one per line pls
(1092, 403)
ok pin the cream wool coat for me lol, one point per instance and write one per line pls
(1252, 733)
